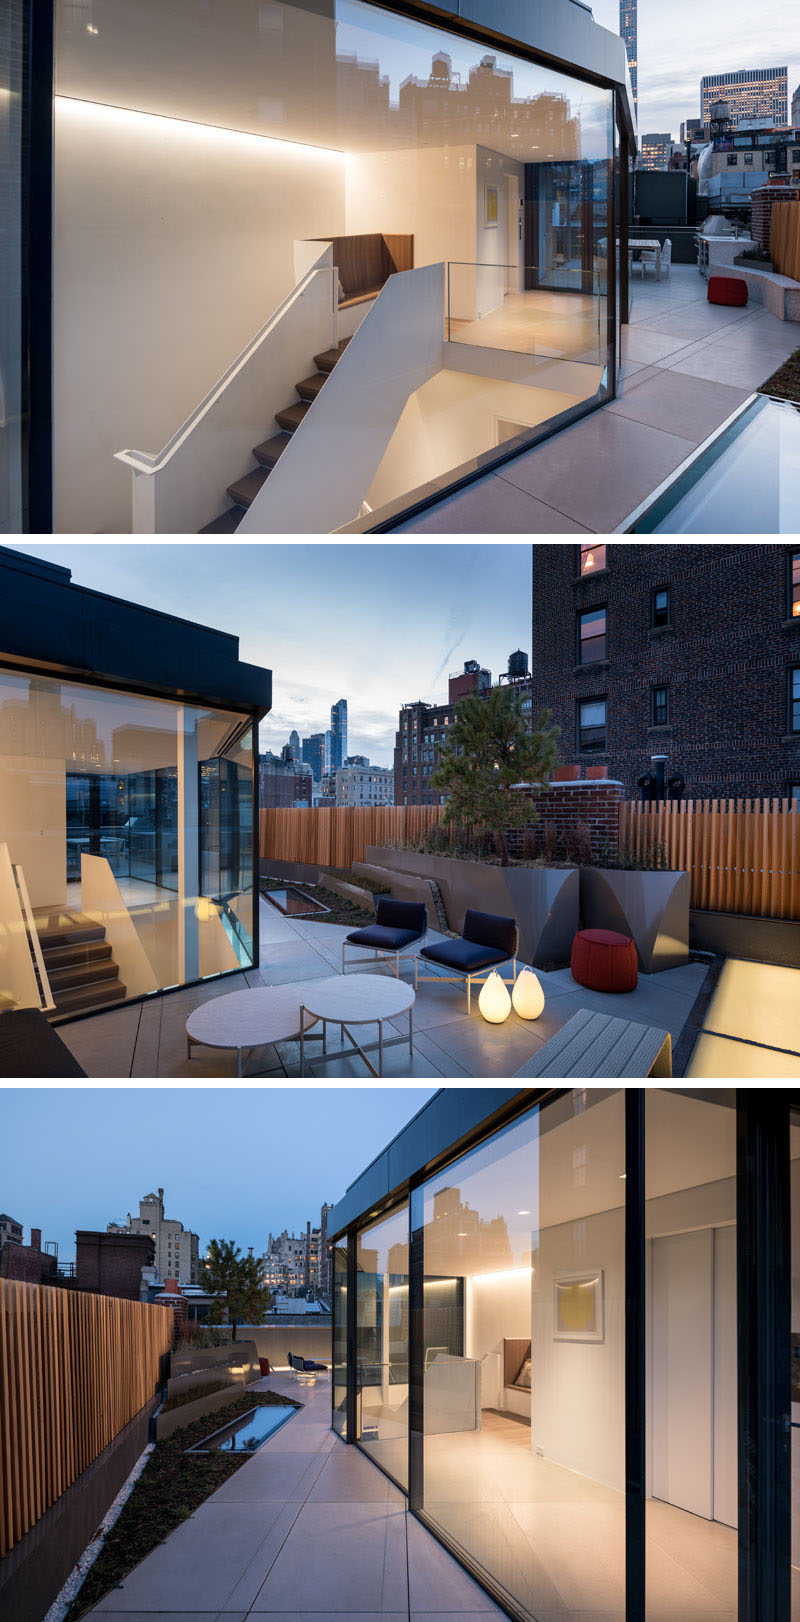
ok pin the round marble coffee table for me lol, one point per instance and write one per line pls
(358, 999)
(243, 1020)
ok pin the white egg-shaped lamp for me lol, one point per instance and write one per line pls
(494, 1001)
(527, 996)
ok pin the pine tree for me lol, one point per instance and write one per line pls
(238, 1284)
(493, 766)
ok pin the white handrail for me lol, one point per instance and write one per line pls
(18, 981)
(150, 462)
(33, 936)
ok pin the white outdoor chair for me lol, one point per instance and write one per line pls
(648, 257)
(666, 257)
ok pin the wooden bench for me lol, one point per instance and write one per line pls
(604, 1047)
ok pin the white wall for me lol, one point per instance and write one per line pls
(578, 1408)
(491, 241)
(173, 244)
(34, 728)
(429, 192)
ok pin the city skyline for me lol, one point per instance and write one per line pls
(678, 44)
(119, 1150)
(450, 602)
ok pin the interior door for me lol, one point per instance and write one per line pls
(694, 1373)
(683, 1350)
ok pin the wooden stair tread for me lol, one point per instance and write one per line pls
(243, 493)
(82, 974)
(82, 998)
(309, 388)
(293, 415)
(64, 927)
(61, 957)
(227, 523)
(269, 450)
(327, 360)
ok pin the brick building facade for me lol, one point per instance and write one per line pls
(111, 1263)
(28, 1264)
(422, 732)
(690, 652)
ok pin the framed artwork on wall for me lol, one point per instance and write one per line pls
(579, 1306)
(491, 206)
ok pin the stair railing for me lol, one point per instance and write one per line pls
(181, 488)
(23, 977)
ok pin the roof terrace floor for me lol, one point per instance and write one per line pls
(685, 367)
(148, 1039)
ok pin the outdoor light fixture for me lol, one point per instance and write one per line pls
(494, 1001)
(527, 996)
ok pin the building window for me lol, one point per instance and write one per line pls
(592, 559)
(659, 706)
(793, 794)
(794, 585)
(794, 699)
(748, 158)
(592, 723)
(659, 606)
(732, 160)
(591, 636)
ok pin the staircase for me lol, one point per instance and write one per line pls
(244, 491)
(77, 957)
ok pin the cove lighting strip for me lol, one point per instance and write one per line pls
(104, 111)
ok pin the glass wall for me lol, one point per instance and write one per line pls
(339, 1376)
(692, 1469)
(794, 1149)
(12, 496)
(382, 1343)
(524, 1355)
(105, 811)
(467, 193)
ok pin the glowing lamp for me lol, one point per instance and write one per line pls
(527, 996)
(494, 1001)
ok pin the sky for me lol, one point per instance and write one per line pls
(233, 1163)
(680, 40)
(378, 624)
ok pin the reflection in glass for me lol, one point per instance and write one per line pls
(382, 1343)
(592, 644)
(690, 1216)
(523, 1379)
(102, 810)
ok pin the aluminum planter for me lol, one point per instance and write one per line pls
(653, 908)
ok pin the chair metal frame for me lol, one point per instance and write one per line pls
(376, 952)
(466, 977)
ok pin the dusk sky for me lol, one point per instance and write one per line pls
(378, 624)
(233, 1163)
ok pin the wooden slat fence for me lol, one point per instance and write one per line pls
(74, 1369)
(784, 239)
(337, 836)
(743, 856)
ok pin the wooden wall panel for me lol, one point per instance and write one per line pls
(742, 856)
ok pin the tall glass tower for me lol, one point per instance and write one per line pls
(338, 733)
(628, 30)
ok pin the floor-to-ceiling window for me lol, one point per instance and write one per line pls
(339, 1373)
(102, 817)
(522, 1366)
(13, 494)
(467, 192)
(691, 1558)
(794, 1149)
(382, 1352)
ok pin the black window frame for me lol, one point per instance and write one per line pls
(657, 623)
(585, 614)
(793, 700)
(792, 585)
(597, 568)
(657, 720)
(591, 748)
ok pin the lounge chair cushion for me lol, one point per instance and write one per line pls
(383, 939)
(401, 914)
(468, 957)
(487, 929)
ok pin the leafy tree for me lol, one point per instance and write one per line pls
(494, 766)
(237, 1282)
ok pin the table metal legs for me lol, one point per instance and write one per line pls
(356, 1046)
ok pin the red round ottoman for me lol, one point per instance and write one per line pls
(604, 961)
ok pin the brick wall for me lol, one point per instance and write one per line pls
(562, 808)
(725, 657)
(763, 200)
(27, 1264)
(111, 1263)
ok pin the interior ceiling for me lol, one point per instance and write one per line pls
(271, 69)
